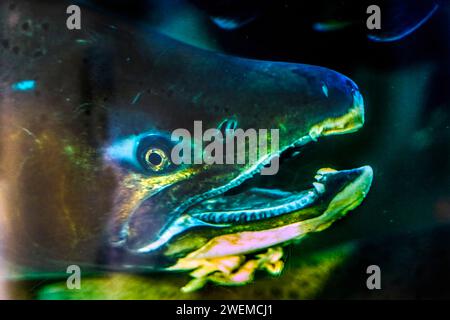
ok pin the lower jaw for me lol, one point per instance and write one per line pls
(252, 237)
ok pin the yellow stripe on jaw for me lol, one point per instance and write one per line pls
(348, 123)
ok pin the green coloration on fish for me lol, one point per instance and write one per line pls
(304, 279)
(74, 153)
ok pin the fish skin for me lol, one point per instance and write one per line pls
(64, 197)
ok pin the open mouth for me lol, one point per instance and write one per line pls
(242, 204)
(255, 204)
(242, 201)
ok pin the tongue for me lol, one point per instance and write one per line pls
(252, 205)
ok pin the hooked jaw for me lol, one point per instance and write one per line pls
(267, 214)
(354, 186)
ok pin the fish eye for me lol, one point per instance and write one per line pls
(153, 153)
(156, 159)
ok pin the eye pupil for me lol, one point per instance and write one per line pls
(155, 159)
(152, 155)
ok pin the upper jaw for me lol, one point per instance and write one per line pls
(191, 217)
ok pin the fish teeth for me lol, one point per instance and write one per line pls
(320, 188)
(321, 174)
